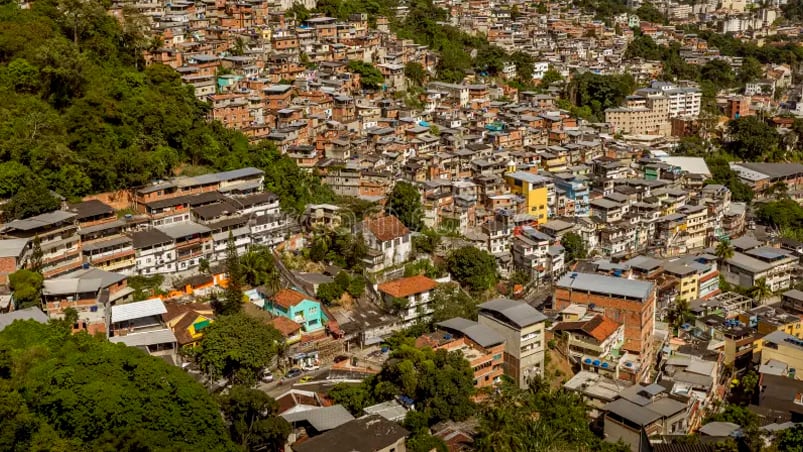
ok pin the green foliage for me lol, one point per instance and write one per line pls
(370, 77)
(299, 11)
(63, 392)
(27, 288)
(603, 9)
(258, 268)
(752, 139)
(405, 203)
(551, 76)
(791, 440)
(237, 347)
(441, 383)
(449, 301)
(524, 66)
(751, 69)
(415, 72)
(232, 300)
(650, 13)
(473, 268)
(331, 292)
(426, 268)
(721, 173)
(425, 442)
(353, 397)
(575, 246)
(341, 248)
(252, 418)
(31, 199)
(784, 213)
(427, 241)
(145, 286)
(600, 92)
(540, 419)
(643, 46)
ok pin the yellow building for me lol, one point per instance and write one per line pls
(535, 191)
(783, 347)
(688, 280)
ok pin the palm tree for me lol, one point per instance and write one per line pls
(678, 312)
(259, 268)
(760, 290)
(724, 250)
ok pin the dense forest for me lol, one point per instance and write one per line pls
(63, 392)
(82, 114)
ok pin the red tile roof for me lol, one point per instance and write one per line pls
(387, 228)
(405, 287)
(285, 326)
(600, 329)
(287, 298)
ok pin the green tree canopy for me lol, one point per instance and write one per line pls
(65, 392)
(252, 418)
(237, 347)
(752, 139)
(449, 301)
(473, 268)
(574, 245)
(27, 288)
(415, 72)
(405, 203)
(370, 77)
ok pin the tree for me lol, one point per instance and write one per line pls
(66, 392)
(405, 203)
(574, 245)
(724, 250)
(252, 418)
(524, 66)
(760, 290)
(536, 418)
(237, 347)
(427, 241)
(232, 300)
(752, 139)
(259, 268)
(718, 72)
(441, 383)
(643, 46)
(370, 77)
(31, 200)
(37, 255)
(449, 301)
(648, 12)
(679, 313)
(299, 11)
(353, 397)
(791, 439)
(750, 70)
(415, 72)
(473, 268)
(27, 287)
(551, 76)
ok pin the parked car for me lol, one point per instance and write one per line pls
(267, 376)
(305, 379)
(341, 358)
(310, 367)
(293, 373)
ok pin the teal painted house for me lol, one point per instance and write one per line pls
(299, 308)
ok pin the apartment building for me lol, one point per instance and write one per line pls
(13, 255)
(646, 114)
(535, 190)
(155, 252)
(57, 233)
(774, 265)
(409, 296)
(683, 101)
(522, 328)
(139, 324)
(480, 345)
(627, 301)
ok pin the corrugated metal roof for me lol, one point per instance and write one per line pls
(164, 336)
(322, 419)
(519, 313)
(138, 310)
(480, 334)
(611, 285)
